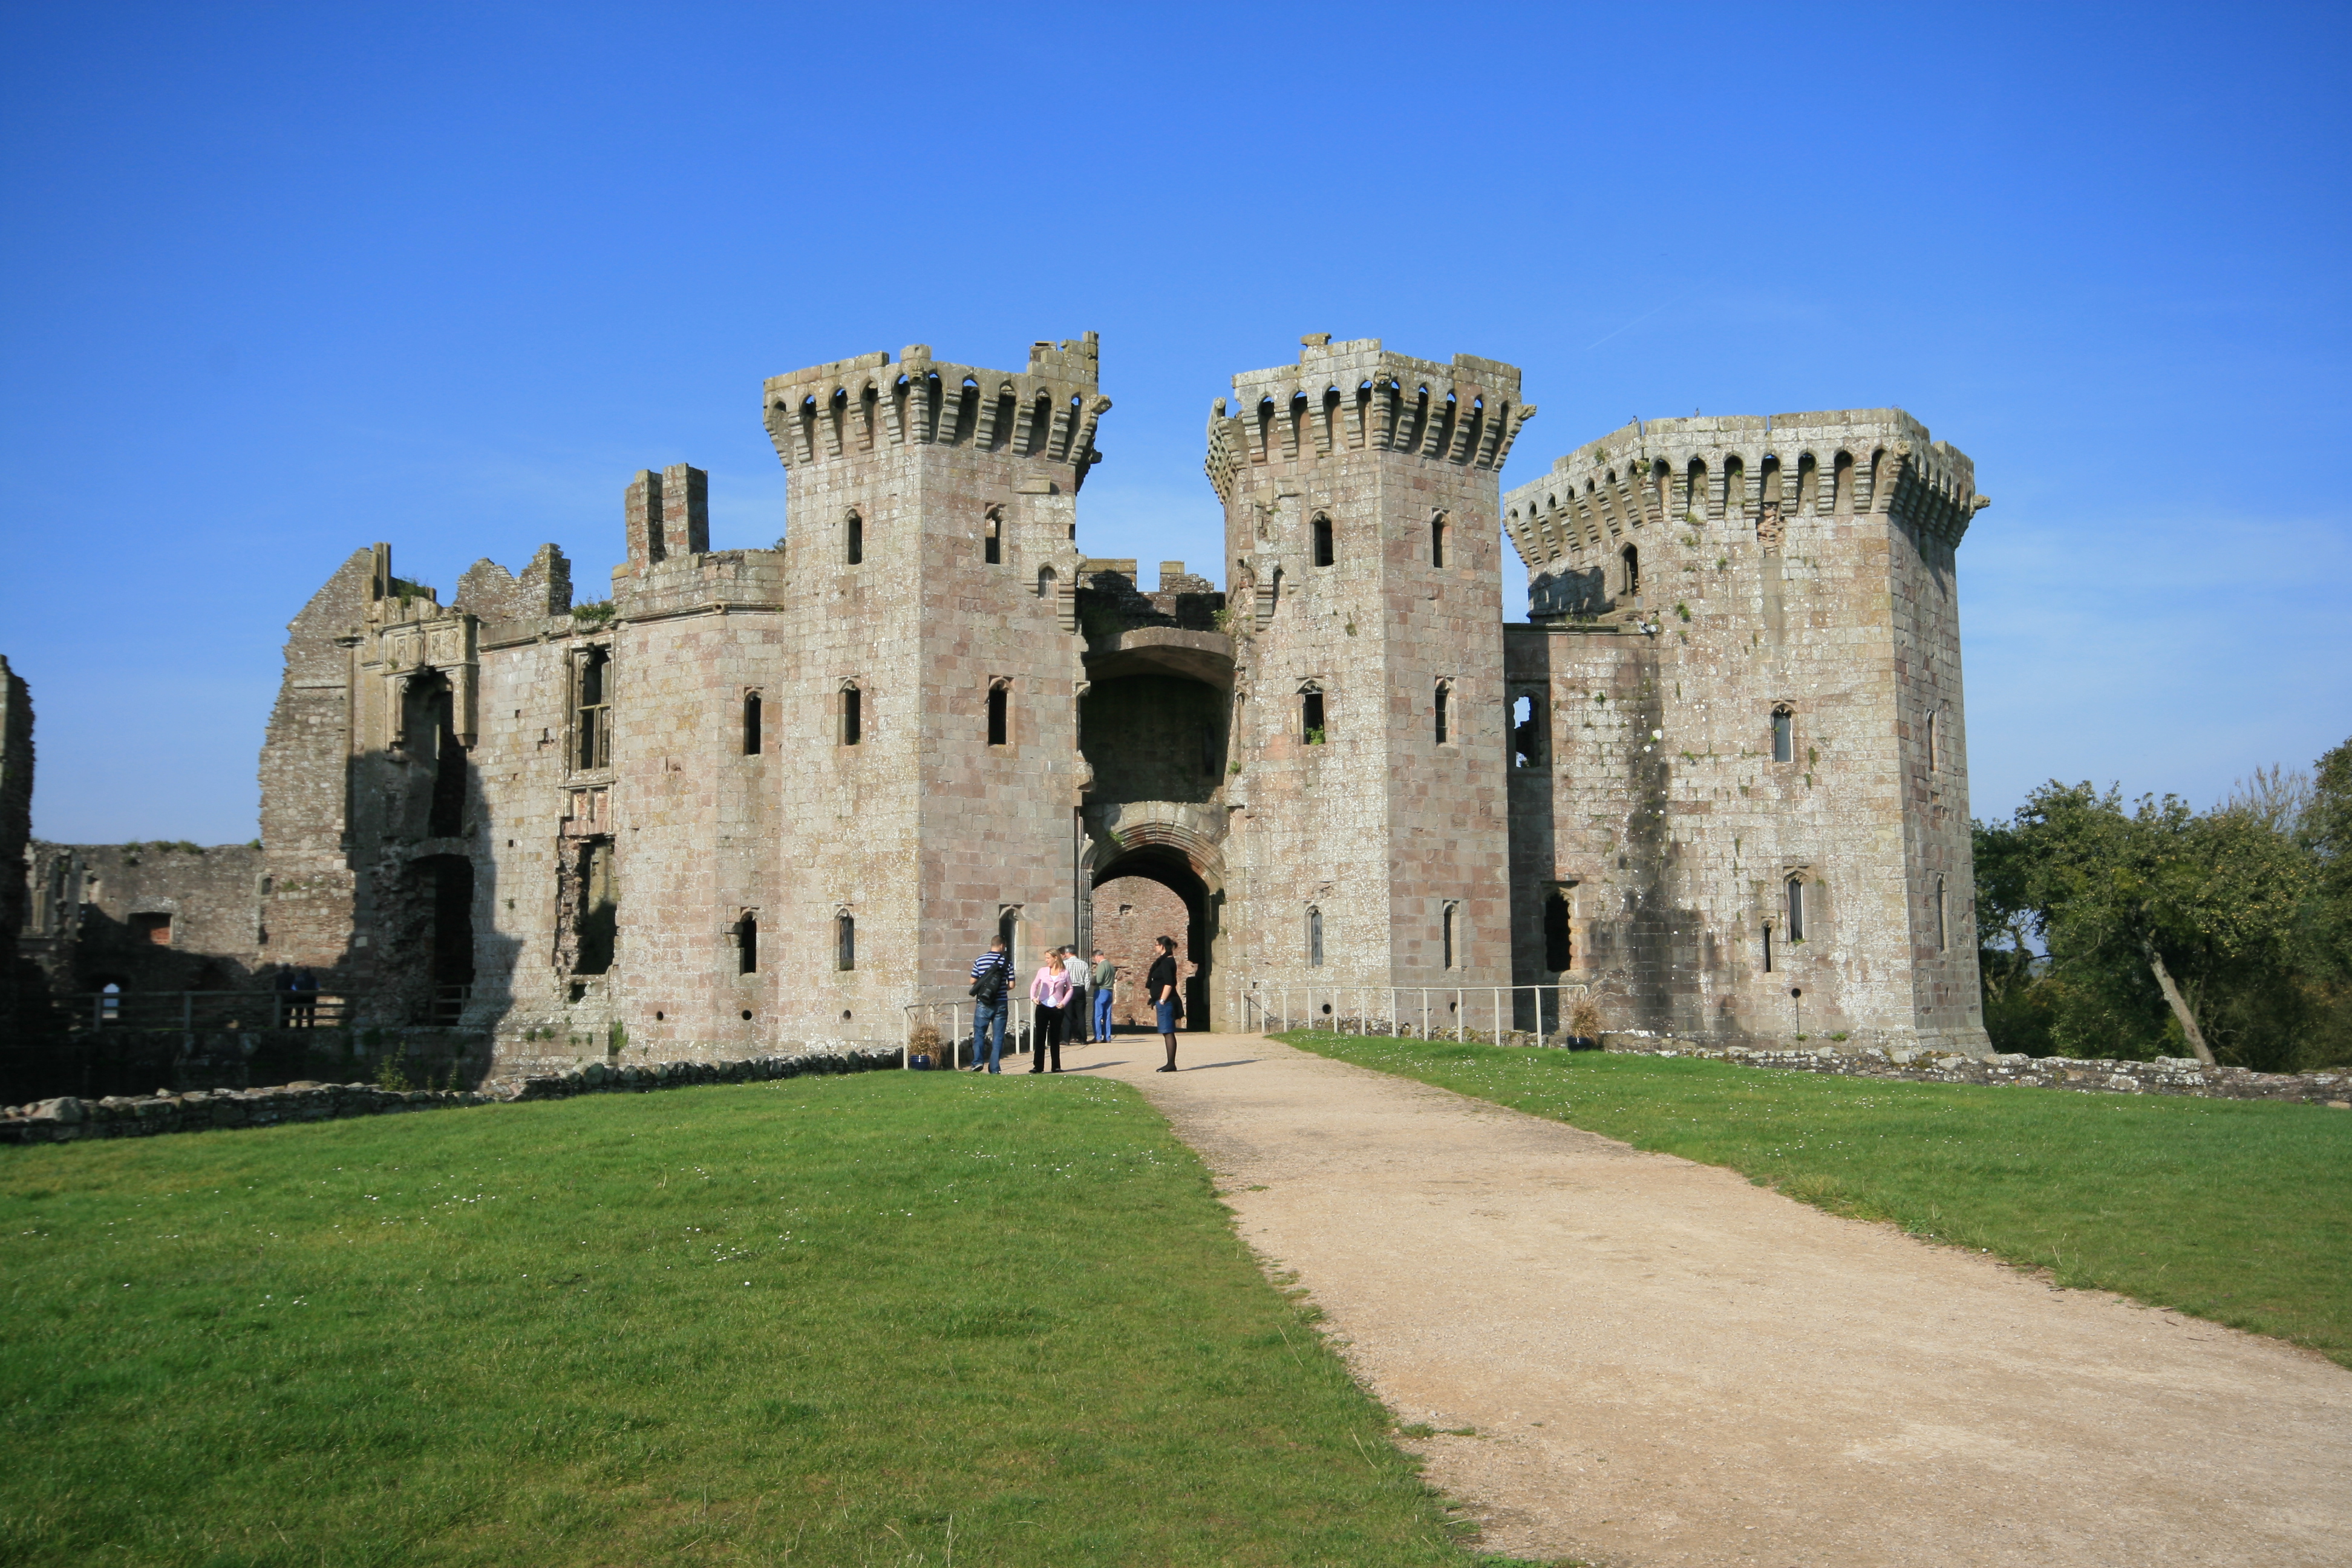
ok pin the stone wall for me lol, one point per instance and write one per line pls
(147, 917)
(16, 839)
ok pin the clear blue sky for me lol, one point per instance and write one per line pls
(277, 282)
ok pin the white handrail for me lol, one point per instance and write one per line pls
(1269, 1006)
(1019, 1027)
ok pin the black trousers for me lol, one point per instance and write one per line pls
(1048, 1038)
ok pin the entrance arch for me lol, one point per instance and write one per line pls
(1127, 942)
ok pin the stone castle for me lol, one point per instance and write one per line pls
(1717, 779)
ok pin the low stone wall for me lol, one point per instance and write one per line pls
(116, 1116)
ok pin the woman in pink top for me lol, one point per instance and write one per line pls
(1051, 992)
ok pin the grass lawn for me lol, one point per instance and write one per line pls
(854, 1320)
(2239, 1211)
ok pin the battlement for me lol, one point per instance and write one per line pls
(1356, 395)
(855, 406)
(1737, 470)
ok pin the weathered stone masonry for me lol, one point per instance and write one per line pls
(762, 797)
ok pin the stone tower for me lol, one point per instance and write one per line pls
(1362, 506)
(932, 735)
(1742, 809)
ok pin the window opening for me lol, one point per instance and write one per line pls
(1560, 948)
(751, 724)
(1527, 732)
(1437, 542)
(1768, 947)
(845, 941)
(1045, 582)
(1313, 938)
(447, 817)
(1323, 551)
(1444, 691)
(156, 929)
(1841, 483)
(997, 717)
(854, 544)
(1008, 931)
(991, 544)
(110, 1001)
(591, 726)
(1784, 735)
(1448, 936)
(747, 944)
(1311, 726)
(1931, 742)
(1796, 909)
(1939, 914)
(1631, 558)
(853, 703)
(597, 921)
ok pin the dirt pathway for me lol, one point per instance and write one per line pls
(1664, 1364)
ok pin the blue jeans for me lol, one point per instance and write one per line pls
(1102, 1013)
(988, 1027)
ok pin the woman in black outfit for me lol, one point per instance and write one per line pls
(1160, 986)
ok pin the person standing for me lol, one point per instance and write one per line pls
(992, 977)
(1106, 980)
(1162, 987)
(1051, 992)
(1075, 1025)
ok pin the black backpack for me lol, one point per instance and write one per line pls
(989, 984)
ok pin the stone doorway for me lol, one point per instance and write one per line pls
(1150, 892)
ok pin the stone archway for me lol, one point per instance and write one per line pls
(1169, 844)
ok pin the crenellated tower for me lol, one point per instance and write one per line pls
(1361, 495)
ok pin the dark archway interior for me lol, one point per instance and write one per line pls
(1174, 872)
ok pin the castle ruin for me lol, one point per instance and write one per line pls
(765, 798)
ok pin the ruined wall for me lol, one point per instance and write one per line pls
(147, 917)
(15, 834)
(1779, 568)
(1379, 830)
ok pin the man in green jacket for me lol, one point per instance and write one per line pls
(1105, 973)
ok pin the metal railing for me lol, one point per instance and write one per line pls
(213, 1009)
(955, 1037)
(1539, 1010)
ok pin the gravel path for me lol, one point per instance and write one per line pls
(1661, 1363)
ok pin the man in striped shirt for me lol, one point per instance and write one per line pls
(991, 975)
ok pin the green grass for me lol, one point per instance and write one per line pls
(829, 1321)
(2239, 1211)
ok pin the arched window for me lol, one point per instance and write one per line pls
(1939, 914)
(1796, 892)
(1443, 696)
(1931, 741)
(854, 539)
(1841, 483)
(747, 944)
(751, 724)
(1446, 918)
(1000, 715)
(1768, 947)
(1437, 541)
(1324, 555)
(1694, 489)
(992, 541)
(1631, 556)
(845, 941)
(853, 715)
(1045, 580)
(1560, 950)
(1314, 937)
(1784, 735)
(1312, 728)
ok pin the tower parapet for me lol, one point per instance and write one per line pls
(858, 406)
(1355, 395)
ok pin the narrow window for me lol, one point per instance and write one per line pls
(1448, 936)
(853, 726)
(1045, 582)
(1768, 947)
(751, 724)
(1323, 553)
(1841, 483)
(1939, 914)
(992, 547)
(1437, 542)
(1784, 735)
(997, 718)
(1527, 732)
(1560, 950)
(1310, 716)
(1931, 743)
(1796, 909)
(747, 944)
(1313, 938)
(591, 727)
(854, 541)
(1008, 931)
(1631, 558)
(1444, 692)
(845, 941)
